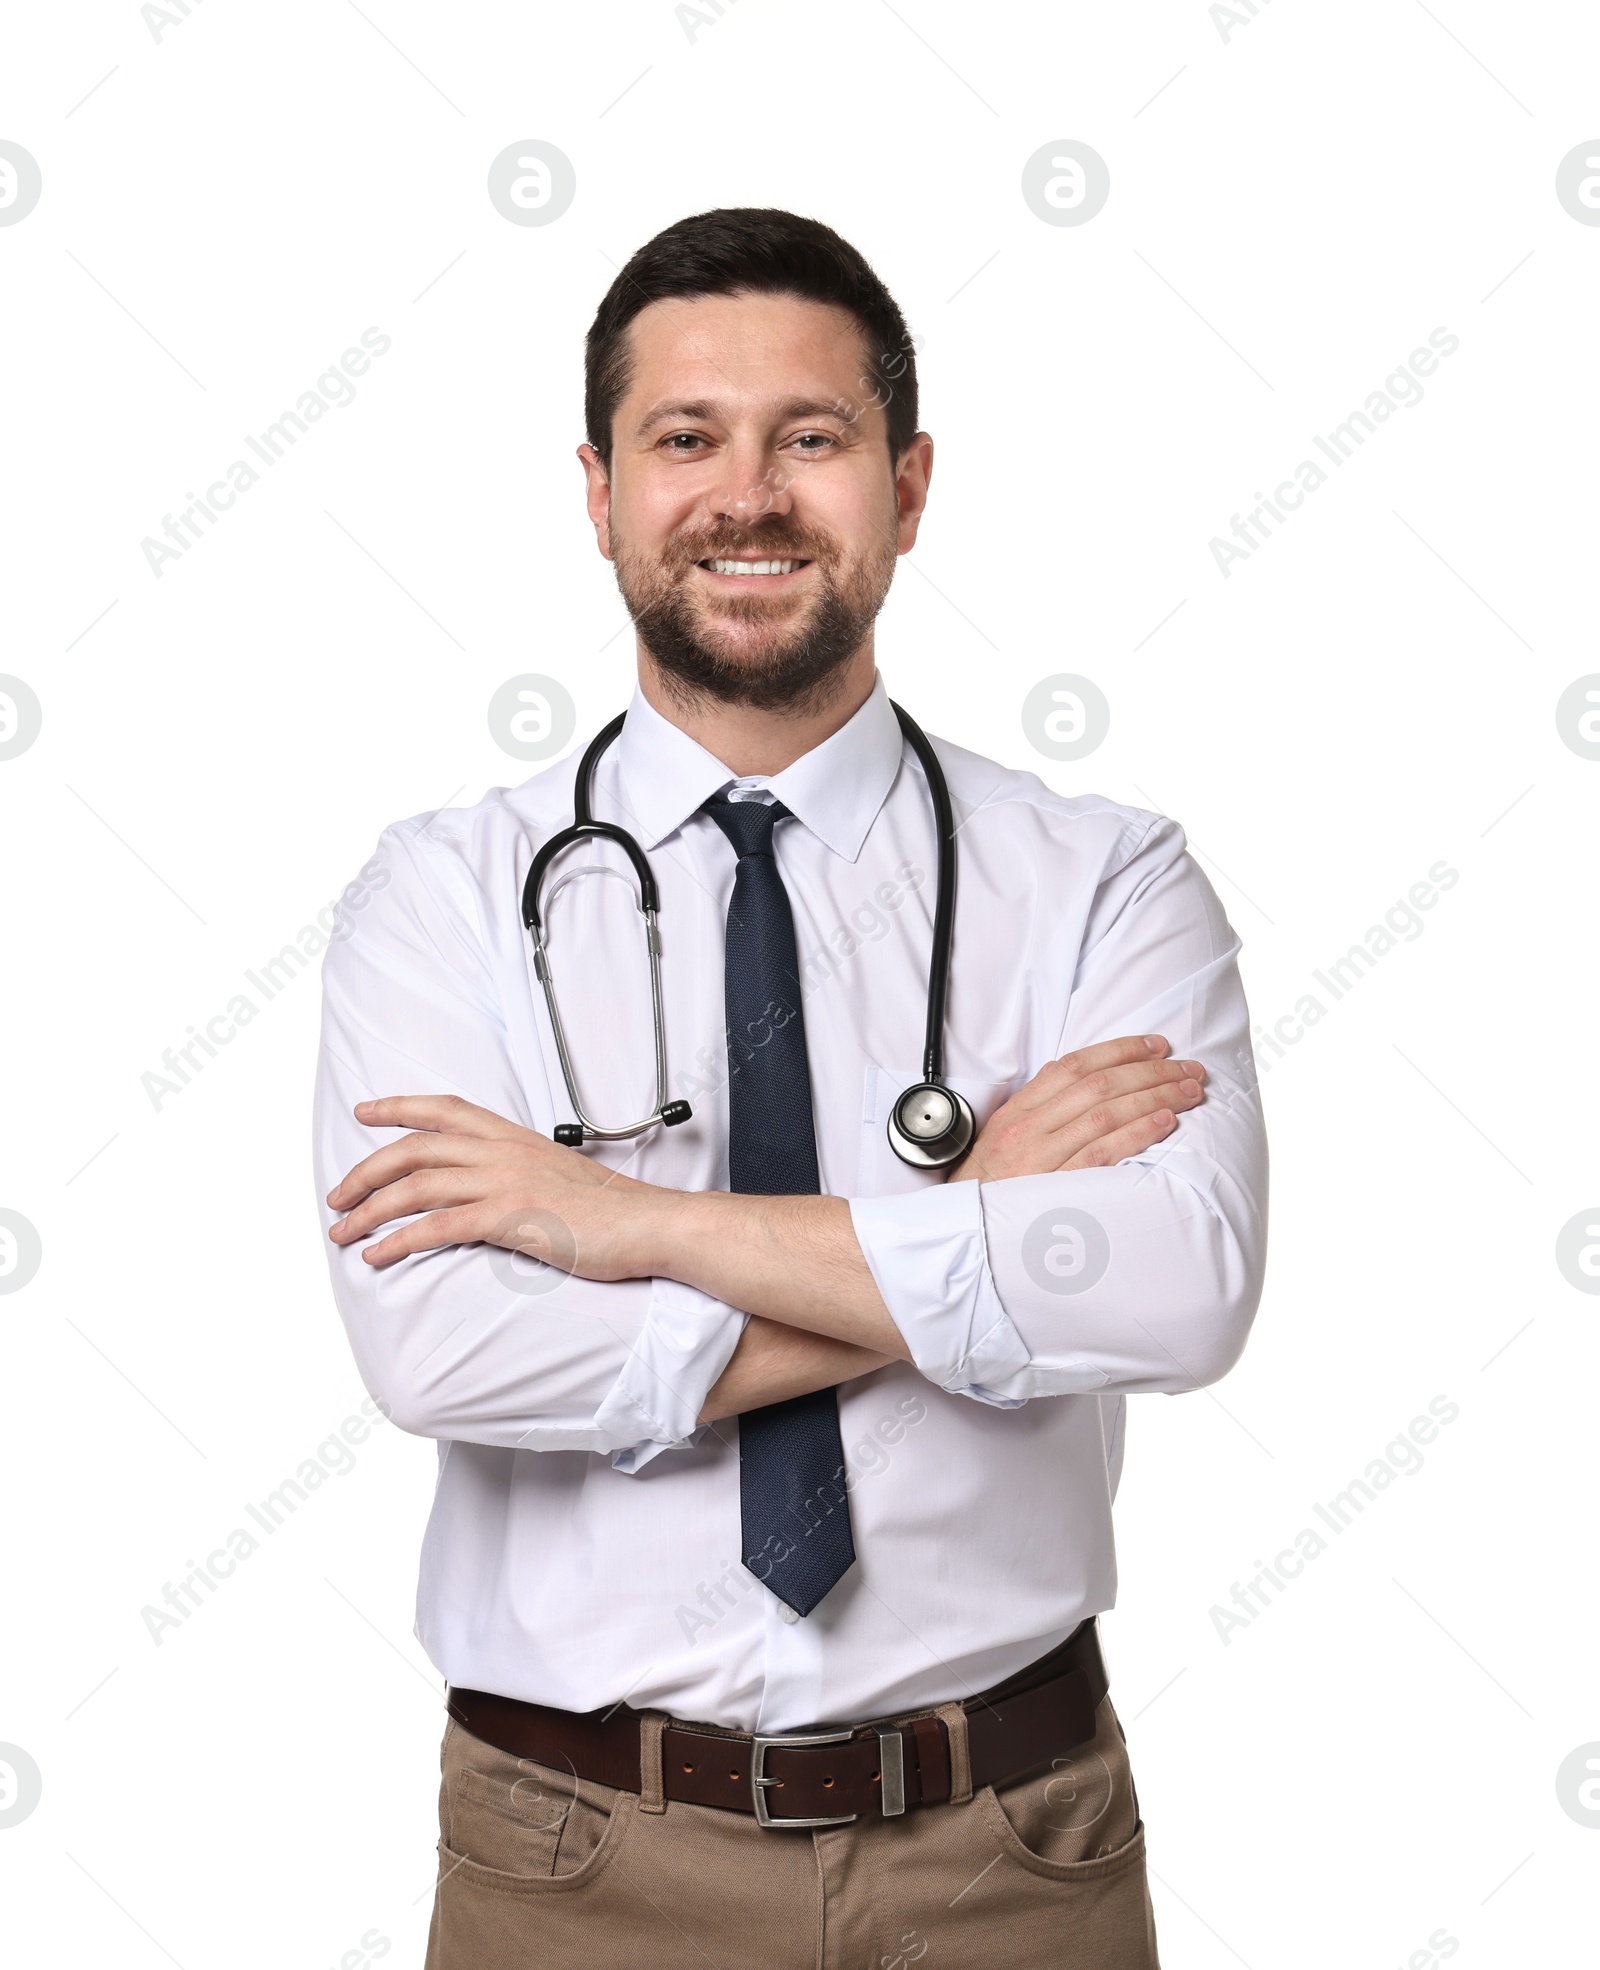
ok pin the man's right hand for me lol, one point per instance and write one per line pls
(1086, 1111)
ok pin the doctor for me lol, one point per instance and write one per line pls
(775, 1471)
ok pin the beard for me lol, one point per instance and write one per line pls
(754, 650)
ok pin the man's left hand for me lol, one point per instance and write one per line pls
(479, 1179)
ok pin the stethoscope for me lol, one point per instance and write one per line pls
(930, 1125)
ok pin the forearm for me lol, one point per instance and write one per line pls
(475, 1344)
(773, 1362)
(791, 1260)
(1141, 1276)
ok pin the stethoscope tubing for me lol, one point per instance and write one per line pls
(585, 827)
(944, 906)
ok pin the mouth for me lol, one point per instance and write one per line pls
(771, 573)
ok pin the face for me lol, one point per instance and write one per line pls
(752, 511)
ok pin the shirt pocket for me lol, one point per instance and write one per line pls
(879, 1171)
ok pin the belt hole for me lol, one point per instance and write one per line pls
(827, 1781)
(688, 1768)
(733, 1775)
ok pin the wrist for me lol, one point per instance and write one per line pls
(675, 1225)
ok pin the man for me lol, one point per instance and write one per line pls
(789, 1436)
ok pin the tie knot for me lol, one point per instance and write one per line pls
(748, 824)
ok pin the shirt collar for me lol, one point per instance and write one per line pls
(835, 790)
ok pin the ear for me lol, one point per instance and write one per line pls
(597, 496)
(911, 477)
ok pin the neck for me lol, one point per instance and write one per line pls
(753, 742)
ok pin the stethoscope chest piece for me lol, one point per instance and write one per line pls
(931, 1125)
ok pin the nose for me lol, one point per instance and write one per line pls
(752, 484)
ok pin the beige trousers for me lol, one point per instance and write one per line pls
(537, 1868)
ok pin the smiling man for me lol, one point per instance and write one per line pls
(778, 1435)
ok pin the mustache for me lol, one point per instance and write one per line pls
(746, 544)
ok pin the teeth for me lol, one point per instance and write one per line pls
(754, 567)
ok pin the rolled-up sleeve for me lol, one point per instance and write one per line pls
(926, 1251)
(468, 1342)
(683, 1347)
(1143, 1276)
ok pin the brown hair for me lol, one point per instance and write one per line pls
(759, 250)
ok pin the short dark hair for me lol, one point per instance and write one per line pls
(759, 250)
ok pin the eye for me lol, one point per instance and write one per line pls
(681, 442)
(813, 442)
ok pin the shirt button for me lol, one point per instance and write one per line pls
(786, 1612)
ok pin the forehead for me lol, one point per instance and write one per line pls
(739, 349)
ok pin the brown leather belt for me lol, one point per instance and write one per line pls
(815, 1778)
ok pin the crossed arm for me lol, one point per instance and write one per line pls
(793, 1263)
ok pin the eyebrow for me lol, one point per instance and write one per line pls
(701, 410)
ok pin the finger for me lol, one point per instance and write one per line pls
(1105, 1054)
(427, 1234)
(1132, 1139)
(437, 1111)
(422, 1151)
(1106, 1118)
(1060, 1100)
(1116, 1053)
(1108, 1081)
(1023, 1146)
(426, 1190)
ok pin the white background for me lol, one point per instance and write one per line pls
(1310, 193)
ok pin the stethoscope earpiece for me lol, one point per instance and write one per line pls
(931, 1125)
(571, 1134)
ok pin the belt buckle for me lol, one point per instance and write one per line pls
(760, 1743)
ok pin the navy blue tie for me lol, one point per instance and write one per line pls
(794, 1513)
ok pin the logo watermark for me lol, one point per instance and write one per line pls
(1578, 1251)
(888, 365)
(1578, 183)
(21, 1785)
(1225, 19)
(21, 717)
(1577, 716)
(868, 1457)
(158, 19)
(372, 1945)
(1065, 717)
(20, 1251)
(1401, 925)
(1577, 1784)
(532, 1252)
(532, 183)
(532, 716)
(1066, 1251)
(334, 390)
(335, 1457)
(20, 182)
(334, 923)
(1402, 390)
(869, 922)
(1065, 182)
(693, 19)
(1402, 1457)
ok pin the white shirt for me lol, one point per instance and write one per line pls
(584, 1540)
